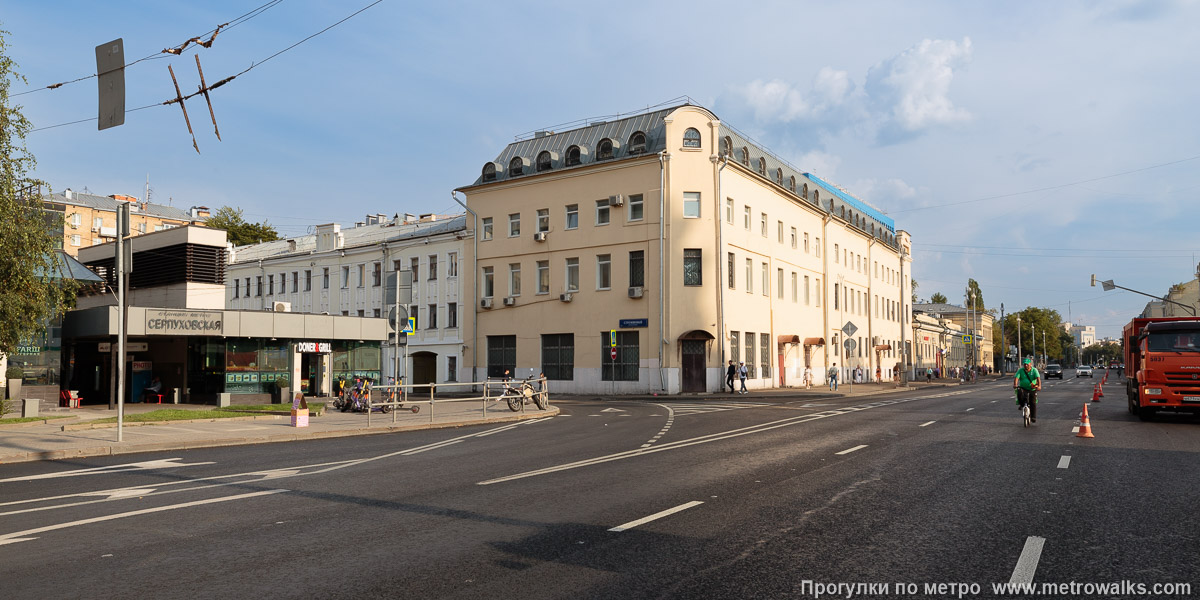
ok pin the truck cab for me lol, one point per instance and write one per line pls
(1166, 367)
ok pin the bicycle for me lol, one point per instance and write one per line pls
(517, 395)
(1032, 399)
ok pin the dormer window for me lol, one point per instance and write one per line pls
(792, 183)
(516, 167)
(779, 177)
(762, 166)
(573, 156)
(745, 156)
(489, 172)
(604, 150)
(726, 145)
(637, 143)
(544, 161)
(691, 138)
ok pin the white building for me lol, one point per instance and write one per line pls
(342, 272)
(1083, 335)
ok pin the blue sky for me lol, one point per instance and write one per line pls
(1024, 144)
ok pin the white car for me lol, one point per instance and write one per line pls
(1082, 370)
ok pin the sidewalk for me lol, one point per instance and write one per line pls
(70, 437)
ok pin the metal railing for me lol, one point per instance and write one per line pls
(416, 395)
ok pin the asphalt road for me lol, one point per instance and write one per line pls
(621, 499)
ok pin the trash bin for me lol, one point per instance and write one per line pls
(176, 393)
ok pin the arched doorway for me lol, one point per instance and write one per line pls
(424, 368)
(693, 348)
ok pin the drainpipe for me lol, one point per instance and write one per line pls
(721, 162)
(871, 358)
(475, 276)
(825, 271)
(262, 296)
(663, 157)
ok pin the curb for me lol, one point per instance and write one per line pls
(57, 420)
(81, 426)
(245, 441)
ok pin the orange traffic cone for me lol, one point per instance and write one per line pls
(1095, 394)
(1100, 390)
(1085, 426)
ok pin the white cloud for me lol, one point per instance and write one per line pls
(912, 90)
(820, 164)
(881, 192)
(778, 100)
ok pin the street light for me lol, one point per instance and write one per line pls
(1110, 286)
(1018, 341)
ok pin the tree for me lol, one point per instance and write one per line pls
(914, 290)
(27, 232)
(938, 298)
(973, 290)
(240, 232)
(1040, 320)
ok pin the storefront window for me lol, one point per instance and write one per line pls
(355, 360)
(253, 366)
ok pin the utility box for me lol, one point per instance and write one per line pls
(29, 407)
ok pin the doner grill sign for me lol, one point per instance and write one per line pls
(167, 322)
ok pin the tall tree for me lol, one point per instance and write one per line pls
(913, 283)
(240, 232)
(27, 237)
(938, 298)
(974, 291)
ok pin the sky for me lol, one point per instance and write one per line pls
(1026, 145)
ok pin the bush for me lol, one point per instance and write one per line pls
(14, 372)
(283, 382)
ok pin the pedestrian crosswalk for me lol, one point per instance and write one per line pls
(695, 408)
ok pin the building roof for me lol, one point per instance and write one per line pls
(106, 203)
(354, 237)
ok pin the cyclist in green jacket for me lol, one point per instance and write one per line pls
(1027, 383)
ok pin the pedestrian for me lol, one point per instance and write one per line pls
(742, 373)
(730, 372)
(807, 377)
(928, 374)
(833, 378)
(878, 375)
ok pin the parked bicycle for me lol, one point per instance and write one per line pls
(518, 394)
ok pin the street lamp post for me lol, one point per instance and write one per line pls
(1018, 341)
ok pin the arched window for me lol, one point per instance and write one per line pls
(779, 177)
(516, 167)
(726, 145)
(762, 166)
(691, 138)
(637, 143)
(843, 209)
(816, 196)
(573, 156)
(604, 150)
(745, 156)
(489, 172)
(544, 161)
(792, 183)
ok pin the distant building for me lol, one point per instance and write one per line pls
(90, 220)
(1083, 335)
(1186, 294)
(977, 324)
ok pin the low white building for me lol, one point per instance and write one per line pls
(339, 271)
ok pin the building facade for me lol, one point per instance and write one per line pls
(336, 271)
(90, 220)
(976, 325)
(642, 254)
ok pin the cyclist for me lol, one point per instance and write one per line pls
(1027, 383)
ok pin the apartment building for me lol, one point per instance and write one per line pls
(90, 220)
(641, 254)
(336, 271)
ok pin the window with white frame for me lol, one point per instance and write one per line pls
(818, 247)
(452, 264)
(76, 240)
(779, 283)
(345, 277)
(452, 315)
(572, 216)
(746, 217)
(572, 274)
(729, 210)
(514, 225)
(76, 220)
(487, 229)
(543, 277)
(835, 253)
(795, 287)
(362, 273)
(415, 267)
(749, 275)
(489, 282)
(691, 205)
(433, 261)
(766, 279)
(691, 138)
(637, 209)
(432, 322)
(806, 242)
(807, 301)
(793, 238)
(543, 220)
(602, 210)
(817, 288)
(763, 225)
(514, 279)
(729, 267)
(604, 271)
(779, 233)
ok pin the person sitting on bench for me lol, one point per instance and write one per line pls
(154, 390)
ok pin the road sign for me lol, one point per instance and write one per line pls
(612, 354)
(967, 339)
(850, 344)
(612, 339)
(110, 71)
(397, 314)
(849, 328)
(410, 326)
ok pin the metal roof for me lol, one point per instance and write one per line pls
(110, 204)
(354, 237)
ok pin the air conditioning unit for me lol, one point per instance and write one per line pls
(95, 229)
(539, 236)
(567, 297)
(485, 303)
(635, 292)
(281, 306)
(509, 301)
(617, 200)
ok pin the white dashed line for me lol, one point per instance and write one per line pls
(657, 515)
(849, 450)
(927, 424)
(1064, 462)
(1027, 564)
(970, 409)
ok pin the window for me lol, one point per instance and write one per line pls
(345, 277)
(637, 143)
(793, 238)
(415, 267)
(325, 278)
(377, 313)
(141, 227)
(795, 287)
(745, 156)
(76, 240)
(451, 368)
(307, 280)
(779, 283)
(282, 283)
(602, 212)
(247, 287)
(817, 285)
(573, 156)
(296, 281)
(746, 217)
(806, 242)
(237, 286)
(572, 216)
(764, 357)
(543, 161)
(749, 276)
(432, 317)
(572, 278)
(543, 277)
(501, 355)
(779, 233)
(766, 280)
(487, 228)
(726, 145)
(97, 222)
(625, 367)
(692, 267)
(691, 138)
(516, 167)
(835, 253)
(729, 210)
(792, 183)
(558, 356)
(76, 220)
(452, 264)
(258, 289)
(762, 166)
(818, 247)
(735, 350)
(452, 315)
(604, 271)
(835, 296)
(636, 208)
(488, 282)
(729, 267)
(806, 297)
(691, 205)
(637, 268)
(361, 313)
(514, 225)
(489, 172)
(543, 220)
(270, 285)
(750, 338)
(604, 150)
(362, 272)
(763, 225)
(514, 279)
(432, 267)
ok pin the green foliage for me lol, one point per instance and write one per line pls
(1042, 320)
(27, 236)
(240, 232)
(283, 382)
(938, 298)
(973, 290)
(14, 372)
(914, 290)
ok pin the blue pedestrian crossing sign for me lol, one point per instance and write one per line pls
(409, 326)
(967, 339)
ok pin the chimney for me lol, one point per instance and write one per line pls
(409, 217)
(67, 193)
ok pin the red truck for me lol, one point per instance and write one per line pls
(1162, 362)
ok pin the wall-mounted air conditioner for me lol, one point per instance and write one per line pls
(635, 292)
(485, 303)
(617, 200)
(509, 301)
(281, 306)
(539, 236)
(567, 297)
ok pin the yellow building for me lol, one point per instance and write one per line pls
(641, 254)
(90, 220)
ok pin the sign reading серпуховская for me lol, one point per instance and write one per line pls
(173, 322)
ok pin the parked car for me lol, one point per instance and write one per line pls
(1082, 370)
(1053, 371)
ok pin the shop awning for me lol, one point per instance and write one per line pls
(883, 347)
(788, 339)
(814, 341)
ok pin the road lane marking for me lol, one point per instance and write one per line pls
(1027, 564)
(927, 424)
(166, 463)
(970, 409)
(657, 515)
(16, 536)
(1075, 429)
(849, 450)
(1064, 462)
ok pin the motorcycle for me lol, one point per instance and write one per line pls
(520, 394)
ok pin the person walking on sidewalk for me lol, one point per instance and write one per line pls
(807, 377)
(833, 378)
(742, 373)
(730, 372)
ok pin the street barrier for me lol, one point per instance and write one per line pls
(428, 394)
